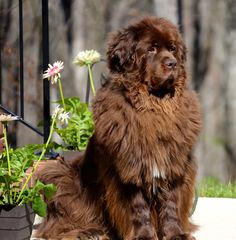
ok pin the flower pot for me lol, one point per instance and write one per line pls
(72, 155)
(16, 223)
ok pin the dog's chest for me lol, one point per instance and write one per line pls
(163, 146)
(158, 173)
(157, 176)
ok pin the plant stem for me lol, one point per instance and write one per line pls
(61, 93)
(8, 162)
(91, 80)
(9, 192)
(7, 149)
(15, 192)
(38, 161)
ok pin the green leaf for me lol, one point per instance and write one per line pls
(39, 186)
(49, 190)
(39, 206)
(80, 125)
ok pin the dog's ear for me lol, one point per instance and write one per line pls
(183, 51)
(121, 51)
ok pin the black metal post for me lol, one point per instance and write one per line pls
(21, 53)
(0, 67)
(46, 85)
(180, 15)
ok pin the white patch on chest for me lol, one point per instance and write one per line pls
(158, 173)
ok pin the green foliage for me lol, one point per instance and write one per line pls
(15, 175)
(212, 187)
(11, 184)
(80, 125)
(35, 196)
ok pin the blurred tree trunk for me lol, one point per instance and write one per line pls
(167, 9)
(230, 87)
(7, 56)
(209, 75)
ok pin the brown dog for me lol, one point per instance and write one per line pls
(136, 178)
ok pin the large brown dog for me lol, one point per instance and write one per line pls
(136, 178)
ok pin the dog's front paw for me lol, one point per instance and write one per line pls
(188, 237)
(93, 237)
(143, 232)
(180, 237)
(146, 232)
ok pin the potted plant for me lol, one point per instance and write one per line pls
(78, 127)
(20, 196)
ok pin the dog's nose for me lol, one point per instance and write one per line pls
(170, 63)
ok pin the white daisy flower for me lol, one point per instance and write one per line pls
(58, 110)
(7, 118)
(61, 115)
(87, 57)
(63, 118)
(53, 72)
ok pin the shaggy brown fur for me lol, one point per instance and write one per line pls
(136, 178)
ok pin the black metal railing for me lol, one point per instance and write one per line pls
(45, 60)
(46, 86)
(21, 57)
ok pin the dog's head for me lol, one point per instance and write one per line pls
(153, 51)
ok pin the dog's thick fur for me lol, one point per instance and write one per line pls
(136, 178)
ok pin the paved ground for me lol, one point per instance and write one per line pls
(216, 218)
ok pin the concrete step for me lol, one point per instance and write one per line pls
(216, 218)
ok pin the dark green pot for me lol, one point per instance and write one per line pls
(16, 223)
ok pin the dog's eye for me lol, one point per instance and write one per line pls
(152, 49)
(172, 48)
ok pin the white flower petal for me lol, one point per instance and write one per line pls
(87, 57)
(57, 111)
(53, 71)
(46, 75)
(60, 115)
(63, 117)
(8, 118)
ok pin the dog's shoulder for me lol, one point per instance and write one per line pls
(188, 114)
(110, 101)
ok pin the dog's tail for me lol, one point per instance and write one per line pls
(63, 174)
(68, 212)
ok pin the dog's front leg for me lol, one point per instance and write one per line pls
(170, 225)
(129, 212)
